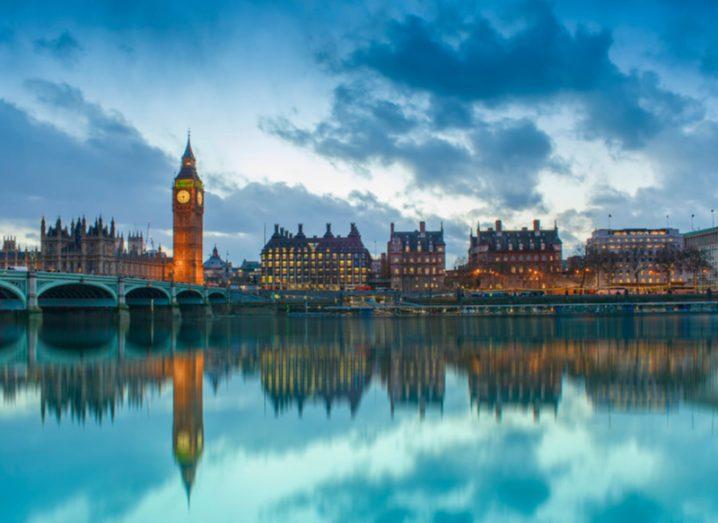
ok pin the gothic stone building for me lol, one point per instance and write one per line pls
(13, 256)
(522, 258)
(188, 221)
(299, 262)
(416, 259)
(98, 249)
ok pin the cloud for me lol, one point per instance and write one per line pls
(536, 60)
(112, 172)
(502, 157)
(64, 47)
(245, 211)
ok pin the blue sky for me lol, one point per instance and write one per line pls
(368, 113)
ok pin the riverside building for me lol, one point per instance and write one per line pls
(416, 259)
(705, 240)
(637, 252)
(99, 249)
(527, 258)
(299, 262)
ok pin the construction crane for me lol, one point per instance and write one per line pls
(147, 237)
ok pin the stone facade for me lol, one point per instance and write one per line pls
(98, 249)
(636, 255)
(188, 221)
(705, 240)
(300, 262)
(416, 260)
(524, 258)
(12, 256)
(216, 270)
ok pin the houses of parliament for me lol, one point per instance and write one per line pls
(99, 248)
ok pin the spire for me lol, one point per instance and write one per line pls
(189, 163)
(188, 154)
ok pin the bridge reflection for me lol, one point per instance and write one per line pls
(88, 366)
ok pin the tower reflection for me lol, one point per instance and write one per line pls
(91, 367)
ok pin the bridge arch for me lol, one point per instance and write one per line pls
(190, 297)
(76, 294)
(147, 295)
(11, 293)
(217, 296)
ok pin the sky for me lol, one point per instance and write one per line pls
(456, 113)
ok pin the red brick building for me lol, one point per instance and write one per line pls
(525, 258)
(416, 259)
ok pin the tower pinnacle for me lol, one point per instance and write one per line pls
(189, 163)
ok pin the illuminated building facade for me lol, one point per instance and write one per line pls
(637, 254)
(527, 258)
(187, 221)
(416, 259)
(98, 249)
(706, 241)
(299, 262)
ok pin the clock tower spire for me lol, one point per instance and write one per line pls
(187, 220)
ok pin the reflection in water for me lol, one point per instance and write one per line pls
(91, 366)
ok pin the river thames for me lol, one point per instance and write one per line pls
(271, 418)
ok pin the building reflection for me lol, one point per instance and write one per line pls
(187, 416)
(318, 373)
(90, 368)
(526, 379)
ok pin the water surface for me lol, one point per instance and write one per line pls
(343, 419)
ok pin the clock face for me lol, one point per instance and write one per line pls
(200, 198)
(183, 196)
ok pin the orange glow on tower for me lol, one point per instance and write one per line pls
(187, 425)
(188, 216)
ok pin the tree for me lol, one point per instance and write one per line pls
(695, 262)
(667, 259)
(601, 262)
(609, 264)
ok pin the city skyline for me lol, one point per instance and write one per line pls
(360, 114)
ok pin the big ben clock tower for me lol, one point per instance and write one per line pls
(187, 214)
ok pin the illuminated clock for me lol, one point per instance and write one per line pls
(183, 196)
(200, 198)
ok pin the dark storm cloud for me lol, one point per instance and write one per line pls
(502, 157)
(476, 62)
(543, 61)
(63, 47)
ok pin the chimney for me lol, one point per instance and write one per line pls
(498, 225)
(276, 229)
(537, 225)
(300, 229)
(328, 234)
(392, 228)
(422, 226)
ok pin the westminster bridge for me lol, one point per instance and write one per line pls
(36, 291)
